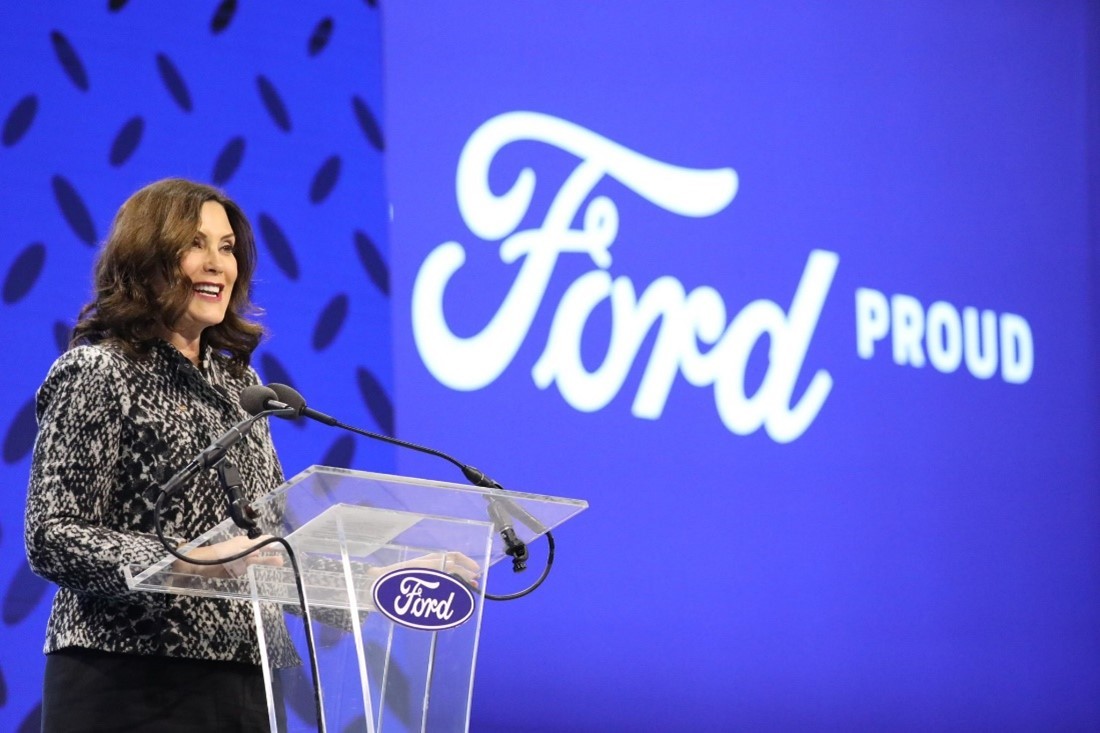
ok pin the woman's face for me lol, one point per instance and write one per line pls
(210, 265)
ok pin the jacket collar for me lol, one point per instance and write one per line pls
(210, 372)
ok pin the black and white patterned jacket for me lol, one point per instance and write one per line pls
(111, 430)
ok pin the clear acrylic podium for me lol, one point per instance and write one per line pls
(349, 529)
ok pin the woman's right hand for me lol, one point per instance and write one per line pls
(268, 555)
(452, 563)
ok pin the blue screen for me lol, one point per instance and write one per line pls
(801, 299)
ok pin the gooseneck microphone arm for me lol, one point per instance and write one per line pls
(258, 402)
(500, 508)
(215, 452)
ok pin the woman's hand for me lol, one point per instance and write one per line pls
(452, 563)
(229, 548)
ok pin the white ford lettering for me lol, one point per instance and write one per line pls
(422, 598)
(469, 363)
(411, 601)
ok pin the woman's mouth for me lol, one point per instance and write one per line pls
(208, 291)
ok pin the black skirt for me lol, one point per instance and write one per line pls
(88, 691)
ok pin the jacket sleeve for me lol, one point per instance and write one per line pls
(73, 537)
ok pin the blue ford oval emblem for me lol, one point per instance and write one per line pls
(423, 599)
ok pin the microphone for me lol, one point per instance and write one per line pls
(257, 398)
(500, 507)
(292, 398)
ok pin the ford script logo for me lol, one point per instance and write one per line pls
(700, 339)
(423, 599)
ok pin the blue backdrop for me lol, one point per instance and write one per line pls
(847, 479)
(801, 298)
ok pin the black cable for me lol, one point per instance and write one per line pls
(311, 649)
(477, 478)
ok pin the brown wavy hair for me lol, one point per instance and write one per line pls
(139, 288)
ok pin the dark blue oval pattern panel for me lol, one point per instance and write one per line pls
(223, 15)
(74, 210)
(19, 120)
(19, 438)
(320, 36)
(105, 96)
(61, 334)
(272, 370)
(341, 453)
(278, 246)
(372, 261)
(368, 123)
(325, 179)
(31, 589)
(69, 60)
(273, 103)
(126, 142)
(375, 397)
(173, 82)
(229, 159)
(330, 321)
(24, 272)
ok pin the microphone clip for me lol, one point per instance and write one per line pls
(240, 511)
(515, 549)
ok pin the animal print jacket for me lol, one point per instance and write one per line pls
(111, 430)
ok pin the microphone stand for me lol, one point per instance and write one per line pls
(244, 517)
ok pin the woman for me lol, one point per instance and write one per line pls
(154, 373)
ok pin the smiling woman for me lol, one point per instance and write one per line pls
(155, 370)
(167, 238)
(211, 266)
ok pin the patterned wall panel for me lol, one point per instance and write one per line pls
(277, 102)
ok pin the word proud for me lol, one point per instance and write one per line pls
(686, 319)
(941, 336)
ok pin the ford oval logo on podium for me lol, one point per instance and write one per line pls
(423, 599)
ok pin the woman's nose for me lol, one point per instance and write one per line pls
(210, 263)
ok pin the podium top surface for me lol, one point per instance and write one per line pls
(377, 518)
(319, 487)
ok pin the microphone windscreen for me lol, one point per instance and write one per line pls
(289, 396)
(254, 399)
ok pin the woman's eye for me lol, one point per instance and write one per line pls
(227, 247)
